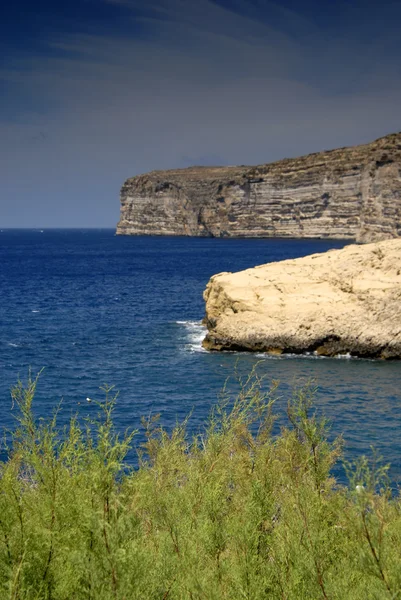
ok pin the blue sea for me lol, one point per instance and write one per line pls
(93, 308)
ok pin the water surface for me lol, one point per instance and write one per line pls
(95, 308)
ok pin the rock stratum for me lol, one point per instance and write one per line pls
(340, 302)
(349, 193)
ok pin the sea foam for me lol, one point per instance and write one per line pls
(194, 333)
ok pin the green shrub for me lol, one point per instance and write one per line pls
(232, 513)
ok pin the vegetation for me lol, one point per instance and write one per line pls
(233, 513)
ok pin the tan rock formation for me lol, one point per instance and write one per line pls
(350, 193)
(339, 302)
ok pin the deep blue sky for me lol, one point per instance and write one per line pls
(95, 91)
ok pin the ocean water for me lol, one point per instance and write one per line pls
(93, 308)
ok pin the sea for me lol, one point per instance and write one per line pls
(87, 308)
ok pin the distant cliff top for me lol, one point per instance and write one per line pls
(360, 154)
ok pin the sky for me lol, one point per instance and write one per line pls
(95, 91)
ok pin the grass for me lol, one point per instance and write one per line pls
(232, 513)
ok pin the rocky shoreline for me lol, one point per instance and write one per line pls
(339, 302)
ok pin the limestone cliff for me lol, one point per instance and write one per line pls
(351, 193)
(339, 302)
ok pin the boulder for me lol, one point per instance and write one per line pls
(339, 302)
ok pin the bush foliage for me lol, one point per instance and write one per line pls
(235, 512)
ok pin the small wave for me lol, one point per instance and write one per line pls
(35, 311)
(346, 356)
(305, 355)
(195, 333)
(285, 356)
(13, 345)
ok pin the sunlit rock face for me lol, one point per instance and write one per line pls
(341, 302)
(349, 193)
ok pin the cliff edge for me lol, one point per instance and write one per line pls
(349, 193)
(340, 302)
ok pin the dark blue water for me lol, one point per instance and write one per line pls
(94, 308)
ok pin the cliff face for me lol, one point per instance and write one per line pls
(339, 302)
(350, 193)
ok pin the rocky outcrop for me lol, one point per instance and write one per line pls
(351, 193)
(340, 302)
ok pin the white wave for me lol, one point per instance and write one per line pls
(36, 311)
(285, 355)
(346, 356)
(304, 355)
(13, 345)
(195, 334)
